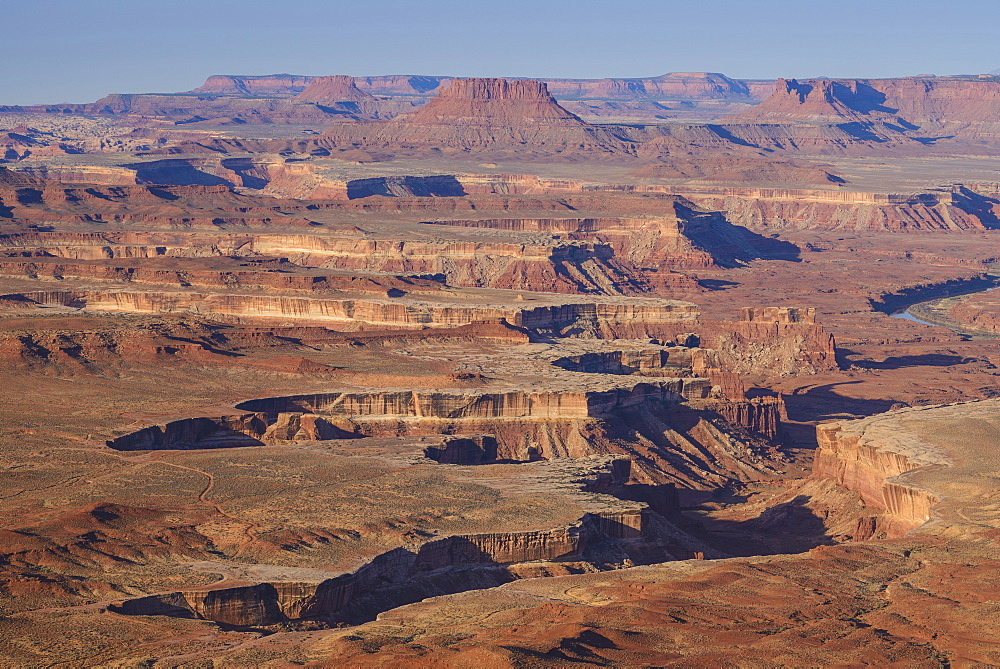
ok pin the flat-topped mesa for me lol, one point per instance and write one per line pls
(330, 90)
(678, 85)
(493, 102)
(822, 101)
(430, 564)
(777, 208)
(268, 85)
(676, 429)
(964, 105)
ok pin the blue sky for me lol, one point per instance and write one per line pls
(80, 50)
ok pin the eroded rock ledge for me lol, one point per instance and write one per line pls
(871, 456)
(611, 533)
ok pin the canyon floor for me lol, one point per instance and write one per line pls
(489, 383)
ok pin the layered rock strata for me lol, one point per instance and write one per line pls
(592, 316)
(449, 564)
(791, 208)
(868, 456)
(962, 106)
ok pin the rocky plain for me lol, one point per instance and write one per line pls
(428, 371)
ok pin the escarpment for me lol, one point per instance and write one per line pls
(592, 316)
(863, 457)
(962, 106)
(922, 467)
(957, 208)
(611, 533)
(677, 430)
(681, 238)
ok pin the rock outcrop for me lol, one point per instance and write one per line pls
(494, 102)
(964, 107)
(339, 92)
(439, 566)
(783, 340)
(801, 208)
(868, 456)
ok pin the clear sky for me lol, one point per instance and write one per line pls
(80, 50)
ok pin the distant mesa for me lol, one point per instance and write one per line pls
(268, 85)
(328, 91)
(961, 105)
(823, 100)
(494, 102)
(673, 85)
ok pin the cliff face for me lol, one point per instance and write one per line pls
(407, 404)
(276, 85)
(403, 311)
(862, 457)
(967, 106)
(676, 430)
(488, 102)
(821, 101)
(659, 242)
(428, 566)
(783, 340)
(671, 86)
(452, 564)
(222, 432)
(802, 208)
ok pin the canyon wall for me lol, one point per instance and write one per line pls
(789, 208)
(403, 575)
(402, 312)
(965, 106)
(868, 458)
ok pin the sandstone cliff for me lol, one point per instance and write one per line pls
(963, 106)
(626, 530)
(277, 85)
(864, 457)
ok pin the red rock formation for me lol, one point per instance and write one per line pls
(780, 340)
(796, 208)
(276, 85)
(821, 101)
(862, 457)
(425, 568)
(978, 312)
(963, 105)
(671, 86)
(494, 102)
(493, 115)
(739, 169)
(328, 91)
(96, 349)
